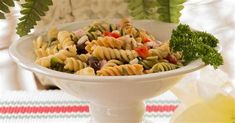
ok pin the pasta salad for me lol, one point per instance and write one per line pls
(105, 49)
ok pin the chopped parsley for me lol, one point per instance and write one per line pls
(195, 45)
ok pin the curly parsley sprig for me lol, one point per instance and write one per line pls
(195, 45)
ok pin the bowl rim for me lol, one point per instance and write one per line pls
(31, 66)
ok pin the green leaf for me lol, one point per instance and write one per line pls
(169, 10)
(8, 2)
(32, 10)
(5, 7)
(170, 2)
(164, 10)
(142, 9)
(2, 16)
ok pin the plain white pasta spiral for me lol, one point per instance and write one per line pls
(112, 63)
(52, 50)
(89, 47)
(86, 71)
(65, 39)
(83, 57)
(130, 42)
(69, 51)
(39, 43)
(52, 34)
(161, 51)
(40, 53)
(44, 61)
(73, 64)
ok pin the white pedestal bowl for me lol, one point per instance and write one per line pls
(116, 99)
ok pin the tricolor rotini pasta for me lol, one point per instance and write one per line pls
(83, 57)
(73, 64)
(162, 66)
(105, 49)
(121, 70)
(109, 53)
(39, 43)
(65, 38)
(108, 42)
(112, 63)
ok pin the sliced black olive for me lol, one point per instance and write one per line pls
(94, 63)
(81, 44)
(81, 49)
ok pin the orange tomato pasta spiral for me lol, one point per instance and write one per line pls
(109, 53)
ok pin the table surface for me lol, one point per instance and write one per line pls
(57, 106)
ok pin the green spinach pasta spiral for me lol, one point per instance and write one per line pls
(163, 66)
(149, 62)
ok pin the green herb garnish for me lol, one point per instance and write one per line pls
(56, 64)
(195, 45)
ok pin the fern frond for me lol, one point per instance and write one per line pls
(5, 7)
(169, 10)
(32, 10)
(142, 9)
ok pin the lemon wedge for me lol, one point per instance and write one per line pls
(220, 109)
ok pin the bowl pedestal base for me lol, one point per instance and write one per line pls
(128, 113)
(145, 121)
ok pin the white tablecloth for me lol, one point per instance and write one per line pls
(59, 107)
